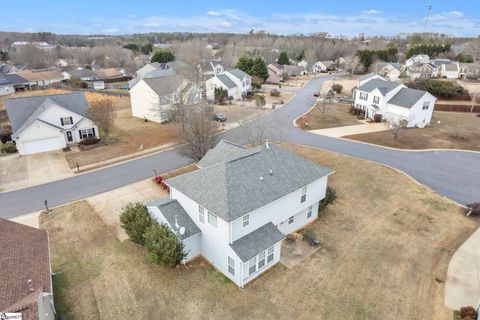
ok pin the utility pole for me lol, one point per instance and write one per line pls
(426, 19)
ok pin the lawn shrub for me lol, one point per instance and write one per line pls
(439, 88)
(330, 198)
(377, 118)
(135, 220)
(220, 96)
(8, 147)
(338, 88)
(260, 100)
(89, 141)
(163, 246)
(5, 134)
(468, 313)
(274, 93)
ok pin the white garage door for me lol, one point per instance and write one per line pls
(42, 145)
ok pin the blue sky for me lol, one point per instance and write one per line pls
(348, 17)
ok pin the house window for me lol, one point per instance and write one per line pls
(201, 214)
(426, 104)
(261, 260)
(65, 121)
(212, 219)
(87, 133)
(309, 212)
(291, 220)
(252, 266)
(363, 96)
(270, 255)
(231, 266)
(304, 194)
(376, 99)
(246, 220)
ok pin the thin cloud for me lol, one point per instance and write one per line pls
(372, 11)
(214, 13)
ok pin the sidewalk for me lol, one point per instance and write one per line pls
(462, 287)
(338, 132)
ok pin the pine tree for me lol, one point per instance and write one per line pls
(283, 58)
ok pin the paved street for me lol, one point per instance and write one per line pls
(454, 174)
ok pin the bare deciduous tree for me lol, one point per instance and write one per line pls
(396, 127)
(103, 114)
(474, 95)
(192, 56)
(197, 131)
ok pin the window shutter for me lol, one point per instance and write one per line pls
(93, 130)
(71, 120)
(61, 121)
(80, 134)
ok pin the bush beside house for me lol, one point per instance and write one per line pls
(163, 246)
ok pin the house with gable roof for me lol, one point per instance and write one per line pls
(235, 81)
(394, 101)
(51, 122)
(238, 207)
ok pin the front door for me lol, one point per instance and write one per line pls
(69, 136)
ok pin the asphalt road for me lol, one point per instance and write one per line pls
(455, 174)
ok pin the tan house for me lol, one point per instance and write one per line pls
(41, 78)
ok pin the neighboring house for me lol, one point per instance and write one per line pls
(303, 64)
(10, 68)
(450, 70)
(51, 122)
(214, 68)
(419, 58)
(389, 70)
(469, 71)
(109, 74)
(25, 274)
(153, 70)
(238, 207)
(292, 70)
(153, 97)
(323, 66)
(367, 77)
(275, 73)
(83, 74)
(41, 78)
(395, 102)
(10, 83)
(235, 81)
(146, 69)
(39, 44)
(421, 70)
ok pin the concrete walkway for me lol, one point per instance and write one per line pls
(338, 132)
(462, 287)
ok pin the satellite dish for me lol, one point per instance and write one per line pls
(181, 231)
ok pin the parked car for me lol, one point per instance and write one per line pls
(220, 117)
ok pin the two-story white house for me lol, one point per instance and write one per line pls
(45, 123)
(395, 102)
(237, 208)
(235, 81)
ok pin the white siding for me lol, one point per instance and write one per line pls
(145, 102)
(39, 131)
(55, 113)
(4, 90)
(276, 258)
(281, 209)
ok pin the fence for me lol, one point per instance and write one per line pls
(456, 107)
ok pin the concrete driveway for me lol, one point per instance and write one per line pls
(338, 132)
(20, 172)
(108, 205)
(462, 287)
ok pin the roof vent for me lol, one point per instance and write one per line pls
(261, 178)
(271, 172)
(266, 144)
(176, 223)
(181, 231)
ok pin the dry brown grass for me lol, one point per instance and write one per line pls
(455, 131)
(336, 115)
(384, 242)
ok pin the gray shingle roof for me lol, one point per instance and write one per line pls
(256, 241)
(11, 79)
(383, 86)
(238, 74)
(170, 209)
(81, 73)
(406, 97)
(367, 76)
(224, 151)
(226, 81)
(165, 85)
(233, 188)
(23, 111)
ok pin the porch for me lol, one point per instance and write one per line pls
(296, 249)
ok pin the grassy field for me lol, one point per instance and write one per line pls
(455, 131)
(383, 245)
(336, 115)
